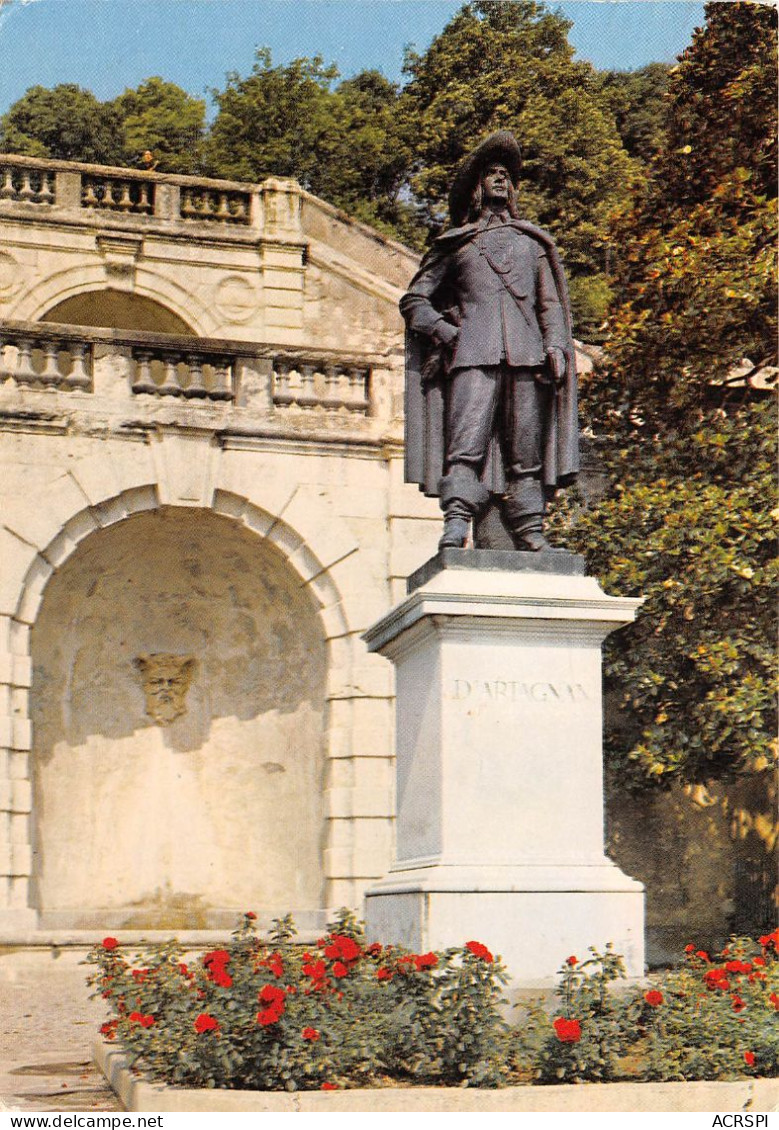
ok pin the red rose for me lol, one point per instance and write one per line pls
(310, 1034)
(654, 997)
(572, 960)
(316, 970)
(342, 948)
(759, 961)
(250, 915)
(145, 1021)
(206, 1023)
(749, 1059)
(272, 995)
(267, 1016)
(716, 979)
(220, 978)
(702, 955)
(425, 961)
(689, 948)
(110, 943)
(329, 1087)
(738, 1004)
(479, 950)
(374, 949)
(216, 958)
(339, 969)
(770, 940)
(384, 974)
(568, 1031)
(109, 1029)
(738, 967)
(774, 999)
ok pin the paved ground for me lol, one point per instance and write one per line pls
(46, 1035)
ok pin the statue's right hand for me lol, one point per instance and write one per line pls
(446, 333)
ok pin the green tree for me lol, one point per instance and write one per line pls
(66, 123)
(689, 446)
(510, 66)
(342, 141)
(161, 117)
(637, 100)
(272, 122)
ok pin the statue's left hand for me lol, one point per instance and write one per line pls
(557, 365)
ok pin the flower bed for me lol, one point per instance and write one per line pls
(344, 1014)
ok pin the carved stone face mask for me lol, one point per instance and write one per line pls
(166, 680)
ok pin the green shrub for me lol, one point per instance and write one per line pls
(277, 1016)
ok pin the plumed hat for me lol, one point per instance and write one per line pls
(500, 147)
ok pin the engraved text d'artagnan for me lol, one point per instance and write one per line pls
(510, 690)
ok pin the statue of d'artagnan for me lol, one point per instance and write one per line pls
(490, 375)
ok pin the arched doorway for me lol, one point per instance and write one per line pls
(119, 310)
(152, 813)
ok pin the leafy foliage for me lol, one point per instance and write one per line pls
(688, 445)
(162, 118)
(637, 100)
(278, 1016)
(510, 66)
(714, 1018)
(65, 123)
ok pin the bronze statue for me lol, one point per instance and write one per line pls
(491, 415)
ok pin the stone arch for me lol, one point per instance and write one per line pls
(117, 309)
(100, 491)
(31, 305)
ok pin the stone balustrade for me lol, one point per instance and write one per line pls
(307, 382)
(26, 183)
(47, 355)
(40, 355)
(75, 186)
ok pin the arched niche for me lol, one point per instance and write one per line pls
(118, 310)
(149, 822)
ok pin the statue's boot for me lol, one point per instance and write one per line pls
(462, 496)
(524, 508)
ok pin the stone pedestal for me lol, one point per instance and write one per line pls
(499, 765)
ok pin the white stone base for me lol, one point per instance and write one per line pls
(499, 826)
(534, 917)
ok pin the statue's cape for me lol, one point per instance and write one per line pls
(426, 387)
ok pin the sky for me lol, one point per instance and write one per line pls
(109, 45)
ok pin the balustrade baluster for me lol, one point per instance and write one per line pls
(45, 192)
(205, 204)
(186, 207)
(50, 374)
(281, 391)
(8, 192)
(240, 210)
(26, 192)
(171, 385)
(5, 372)
(125, 200)
(143, 379)
(222, 388)
(79, 377)
(144, 204)
(107, 194)
(25, 373)
(331, 399)
(223, 211)
(89, 199)
(197, 385)
(307, 397)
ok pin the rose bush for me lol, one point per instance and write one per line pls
(276, 1015)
